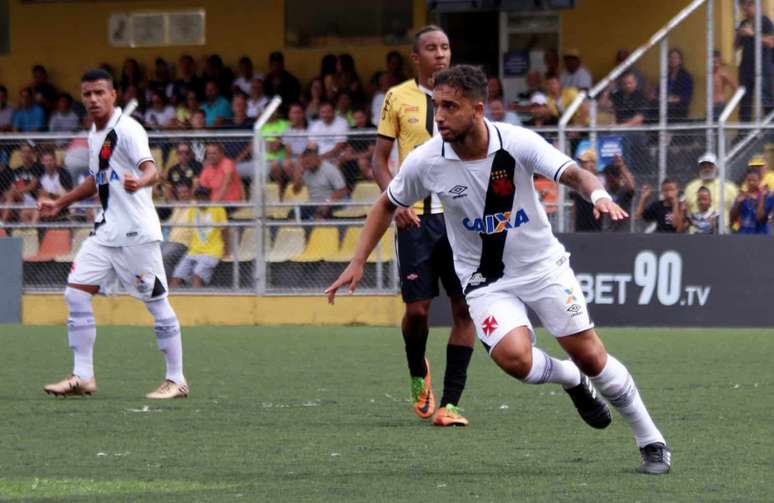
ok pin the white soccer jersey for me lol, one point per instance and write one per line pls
(119, 149)
(496, 224)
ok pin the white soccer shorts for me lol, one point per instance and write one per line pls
(199, 265)
(556, 298)
(139, 268)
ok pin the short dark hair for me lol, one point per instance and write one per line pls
(96, 74)
(703, 189)
(612, 170)
(326, 102)
(629, 73)
(669, 180)
(425, 29)
(468, 79)
(277, 57)
(245, 60)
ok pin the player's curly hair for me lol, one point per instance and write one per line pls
(470, 80)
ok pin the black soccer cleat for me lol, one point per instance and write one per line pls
(591, 408)
(656, 459)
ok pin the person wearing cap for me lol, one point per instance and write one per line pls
(753, 207)
(708, 177)
(323, 180)
(574, 74)
(208, 243)
(758, 161)
(583, 210)
(539, 111)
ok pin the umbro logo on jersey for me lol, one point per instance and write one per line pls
(458, 191)
(496, 223)
(101, 177)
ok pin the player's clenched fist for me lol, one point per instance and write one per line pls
(131, 184)
(48, 208)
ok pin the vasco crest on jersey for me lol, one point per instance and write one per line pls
(502, 185)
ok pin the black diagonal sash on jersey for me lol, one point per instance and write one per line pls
(427, 206)
(499, 200)
(105, 153)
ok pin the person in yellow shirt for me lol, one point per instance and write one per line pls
(208, 243)
(708, 177)
(424, 255)
(759, 162)
(559, 99)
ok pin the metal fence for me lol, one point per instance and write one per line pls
(281, 241)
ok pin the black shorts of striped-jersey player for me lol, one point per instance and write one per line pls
(499, 199)
(103, 178)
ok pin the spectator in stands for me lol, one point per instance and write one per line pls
(332, 131)
(257, 101)
(220, 176)
(583, 210)
(327, 75)
(185, 110)
(344, 108)
(6, 179)
(275, 153)
(132, 92)
(64, 119)
(131, 75)
(240, 149)
(243, 83)
(162, 80)
(631, 108)
(679, 87)
(559, 98)
(745, 40)
(215, 70)
(668, 213)
(620, 57)
(355, 157)
(186, 171)
(293, 146)
(704, 220)
(28, 117)
(574, 73)
(758, 161)
(160, 114)
(723, 84)
(753, 207)
(26, 180)
(315, 96)
(6, 110)
(498, 113)
(534, 85)
(347, 80)
(44, 93)
(54, 181)
(188, 80)
(551, 61)
(323, 180)
(216, 107)
(540, 114)
(208, 244)
(494, 88)
(708, 177)
(393, 69)
(280, 81)
(619, 183)
(178, 238)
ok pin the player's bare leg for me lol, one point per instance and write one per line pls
(167, 330)
(458, 353)
(614, 382)
(81, 334)
(518, 357)
(197, 282)
(415, 330)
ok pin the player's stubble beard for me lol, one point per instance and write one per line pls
(460, 137)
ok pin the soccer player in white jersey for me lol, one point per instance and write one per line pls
(506, 255)
(125, 244)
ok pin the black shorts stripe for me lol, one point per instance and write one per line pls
(427, 208)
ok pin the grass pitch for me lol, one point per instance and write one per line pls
(321, 414)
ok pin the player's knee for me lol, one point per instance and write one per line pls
(517, 365)
(162, 312)
(77, 300)
(416, 314)
(460, 314)
(590, 359)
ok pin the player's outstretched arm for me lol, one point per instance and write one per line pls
(588, 185)
(50, 208)
(376, 224)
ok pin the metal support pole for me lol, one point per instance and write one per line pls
(757, 97)
(722, 177)
(662, 110)
(710, 84)
(233, 244)
(561, 224)
(593, 124)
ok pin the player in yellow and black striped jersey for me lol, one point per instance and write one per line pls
(424, 253)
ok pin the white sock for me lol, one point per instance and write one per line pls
(546, 369)
(81, 331)
(617, 386)
(168, 338)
